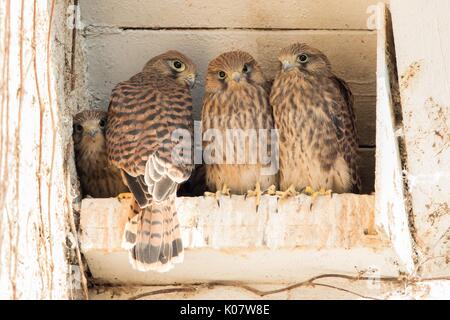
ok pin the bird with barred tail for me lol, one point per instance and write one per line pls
(98, 178)
(144, 114)
(236, 100)
(313, 111)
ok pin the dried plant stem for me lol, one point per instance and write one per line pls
(307, 283)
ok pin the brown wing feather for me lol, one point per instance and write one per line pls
(143, 113)
(344, 120)
(348, 106)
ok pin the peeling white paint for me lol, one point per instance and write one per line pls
(422, 30)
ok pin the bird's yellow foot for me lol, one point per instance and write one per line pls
(314, 194)
(125, 196)
(225, 190)
(255, 193)
(290, 192)
(216, 195)
(308, 190)
(271, 191)
(325, 192)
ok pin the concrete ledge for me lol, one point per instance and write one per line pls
(284, 241)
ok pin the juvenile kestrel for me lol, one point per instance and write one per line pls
(144, 113)
(236, 98)
(313, 111)
(98, 178)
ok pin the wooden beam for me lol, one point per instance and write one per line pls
(292, 14)
(391, 211)
(35, 199)
(422, 33)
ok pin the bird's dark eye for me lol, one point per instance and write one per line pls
(303, 58)
(246, 68)
(222, 75)
(102, 123)
(78, 128)
(178, 65)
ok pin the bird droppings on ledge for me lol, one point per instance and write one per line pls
(405, 79)
(441, 210)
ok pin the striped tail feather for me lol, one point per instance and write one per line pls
(153, 237)
(129, 235)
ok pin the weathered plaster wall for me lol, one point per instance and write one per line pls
(35, 135)
(391, 208)
(421, 31)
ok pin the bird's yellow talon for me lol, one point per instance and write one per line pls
(324, 192)
(125, 196)
(209, 194)
(314, 194)
(225, 190)
(290, 192)
(271, 191)
(255, 193)
(216, 195)
(309, 191)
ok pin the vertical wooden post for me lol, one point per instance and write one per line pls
(390, 205)
(34, 201)
(422, 33)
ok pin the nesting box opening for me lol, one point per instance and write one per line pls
(116, 46)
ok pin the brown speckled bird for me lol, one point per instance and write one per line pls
(236, 97)
(313, 111)
(143, 114)
(98, 178)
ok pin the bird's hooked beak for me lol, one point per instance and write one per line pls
(287, 65)
(236, 76)
(92, 133)
(191, 79)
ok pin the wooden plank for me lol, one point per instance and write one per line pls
(114, 55)
(390, 204)
(422, 33)
(284, 241)
(35, 195)
(297, 14)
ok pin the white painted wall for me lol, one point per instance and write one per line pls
(391, 207)
(422, 30)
